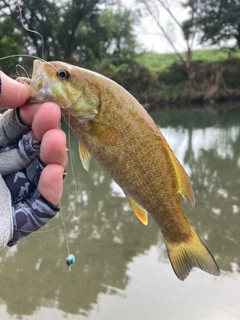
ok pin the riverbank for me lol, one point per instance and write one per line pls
(160, 81)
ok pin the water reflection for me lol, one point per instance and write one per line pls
(212, 158)
(105, 235)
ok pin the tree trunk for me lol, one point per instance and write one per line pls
(190, 72)
(237, 36)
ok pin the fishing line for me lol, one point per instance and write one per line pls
(29, 30)
(70, 259)
(21, 67)
(22, 55)
(49, 230)
(71, 156)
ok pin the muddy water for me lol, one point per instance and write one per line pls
(122, 270)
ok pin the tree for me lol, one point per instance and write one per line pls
(108, 35)
(189, 28)
(9, 44)
(220, 20)
(119, 38)
(72, 30)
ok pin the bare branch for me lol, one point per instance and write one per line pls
(170, 13)
(154, 13)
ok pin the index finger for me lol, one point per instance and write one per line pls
(12, 93)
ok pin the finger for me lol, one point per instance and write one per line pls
(13, 93)
(27, 112)
(50, 183)
(47, 117)
(53, 147)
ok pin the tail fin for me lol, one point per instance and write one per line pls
(192, 253)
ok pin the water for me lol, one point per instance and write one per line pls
(122, 270)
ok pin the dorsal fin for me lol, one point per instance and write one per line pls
(140, 212)
(184, 184)
(84, 156)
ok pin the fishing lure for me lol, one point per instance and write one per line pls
(70, 259)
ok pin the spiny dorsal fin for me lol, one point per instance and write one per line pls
(140, 212)
(84, 156)
(184, 184)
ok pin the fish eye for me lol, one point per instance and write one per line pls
(63, 74)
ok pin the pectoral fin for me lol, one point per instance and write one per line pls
(140, 212)
(84, 156)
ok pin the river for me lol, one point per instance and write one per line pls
(122, 271)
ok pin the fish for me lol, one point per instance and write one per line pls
(115, 129)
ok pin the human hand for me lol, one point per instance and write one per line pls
(43, 122)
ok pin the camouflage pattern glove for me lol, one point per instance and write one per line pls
(23, 209)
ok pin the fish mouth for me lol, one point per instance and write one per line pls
(39, 83)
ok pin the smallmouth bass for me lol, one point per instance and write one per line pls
(116, 130)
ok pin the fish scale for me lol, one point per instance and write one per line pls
(116, 130)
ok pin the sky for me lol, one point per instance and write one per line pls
(150, 36)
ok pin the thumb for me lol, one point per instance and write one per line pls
(12, 93)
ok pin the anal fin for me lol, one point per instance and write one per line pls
(140, 212)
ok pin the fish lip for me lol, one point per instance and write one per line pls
(39, 83)
(37, 64)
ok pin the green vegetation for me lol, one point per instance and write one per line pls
(218, 20)
(158, 62)
(75, 31)
(160, 80)
(99, 35)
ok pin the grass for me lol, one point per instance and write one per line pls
(160, 80)
(158, 62)
(216, 77)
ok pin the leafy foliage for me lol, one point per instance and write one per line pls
(75, 31)
(9, 44)
(220, 20)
